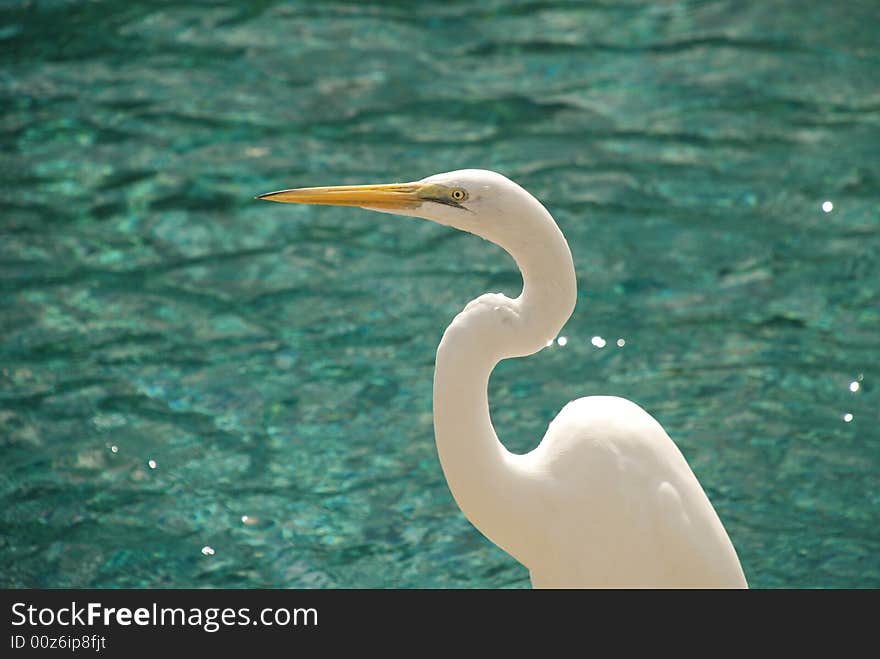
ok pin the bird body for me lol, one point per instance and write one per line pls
(606, 499)
(624, 509)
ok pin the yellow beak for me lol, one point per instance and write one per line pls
(391, 196)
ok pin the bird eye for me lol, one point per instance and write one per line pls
(458, 194)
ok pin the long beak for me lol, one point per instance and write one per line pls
(391, 196)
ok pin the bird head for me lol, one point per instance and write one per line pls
(474, 200)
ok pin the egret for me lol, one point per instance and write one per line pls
(606, 499)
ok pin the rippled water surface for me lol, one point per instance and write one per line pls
(184, 367)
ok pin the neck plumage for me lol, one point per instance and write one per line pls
(487, 481)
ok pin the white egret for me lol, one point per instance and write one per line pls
(606, 498)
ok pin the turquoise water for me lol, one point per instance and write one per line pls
(198, 389)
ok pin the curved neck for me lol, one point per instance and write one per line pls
(549, 285)
(487, 481)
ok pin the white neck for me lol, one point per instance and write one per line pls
(487, 481)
